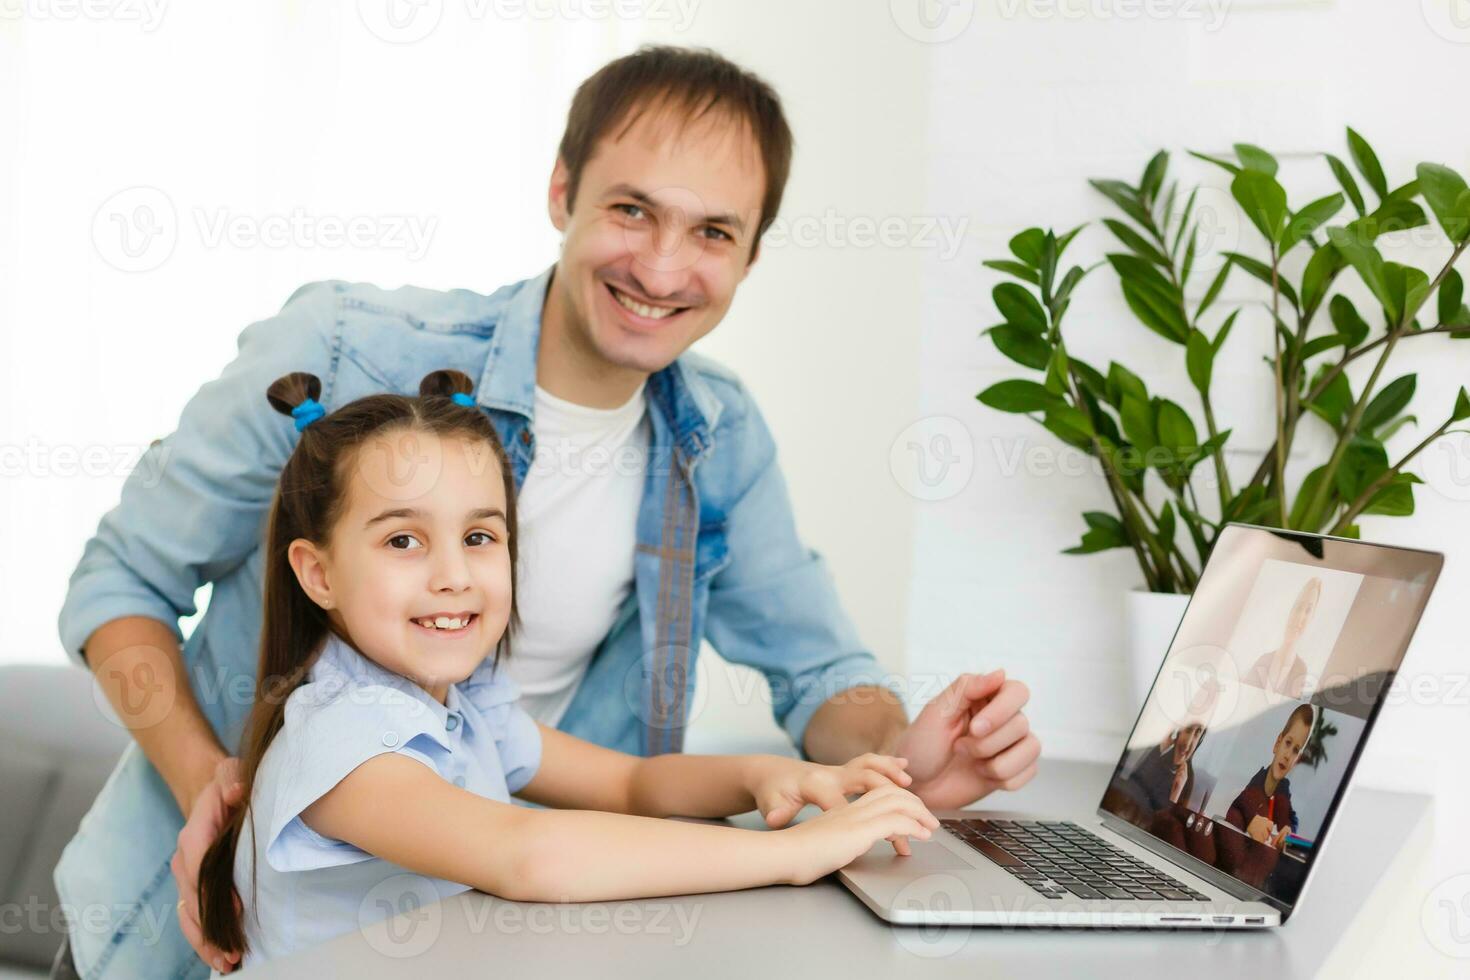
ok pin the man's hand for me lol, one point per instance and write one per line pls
(969, 741)
(206, 821)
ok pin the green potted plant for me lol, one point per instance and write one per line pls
(1152, 451)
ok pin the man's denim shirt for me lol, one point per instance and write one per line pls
(717, 557)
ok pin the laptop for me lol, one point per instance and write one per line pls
(1226, 788)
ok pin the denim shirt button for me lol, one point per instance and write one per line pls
(452, 722)
(390, 739)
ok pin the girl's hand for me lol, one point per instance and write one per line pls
(839, 836)
(784, 786)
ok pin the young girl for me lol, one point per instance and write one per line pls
(384, 744)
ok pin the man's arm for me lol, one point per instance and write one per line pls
(191, 512)
(774, 607)
(860, 719)
(140, 667)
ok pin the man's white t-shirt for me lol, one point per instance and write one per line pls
(577, 512)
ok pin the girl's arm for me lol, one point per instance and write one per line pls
(575, 774)
(437, 829)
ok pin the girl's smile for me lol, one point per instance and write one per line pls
(447, 625)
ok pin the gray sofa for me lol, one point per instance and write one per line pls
(57, 748)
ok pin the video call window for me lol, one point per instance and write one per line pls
(1257, 715)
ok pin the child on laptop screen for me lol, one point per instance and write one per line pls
(385, 741)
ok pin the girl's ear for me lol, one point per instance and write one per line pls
(311, 572)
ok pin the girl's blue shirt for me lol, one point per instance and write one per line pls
(309, 888)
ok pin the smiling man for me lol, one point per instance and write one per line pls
(653, 513)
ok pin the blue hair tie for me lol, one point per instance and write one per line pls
(307, 412)
(460, 398)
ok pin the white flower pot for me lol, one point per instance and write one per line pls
(1151, 620)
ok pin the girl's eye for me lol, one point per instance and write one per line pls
(470, 538)
(394, 542)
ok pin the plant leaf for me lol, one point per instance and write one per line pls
(1021, 346)
(1064, 240)
(1153, 176)
(1262, 271)
(1018, 269)
(1389, 402)
(1176, 430)
(1394, 214)
(1451, 295)
(1215, 286)
(1151, 297)
(1222, 164)
(1135, 242)
(1348, 183)
(1104, 531)
(1394, 500)
(1309, 219)
(1347, 321)
(1125, 197)
(1367, 162)
(1019, 307)
(1317, 345)
(1224, 331)
(1305, 493)
(1138, 423)
(1462, 407)
(1199, 358)
(1018, 396)
(1123, 382)
(1263, 200)
(1322, 268)
(1366, 261)
(1255, 158)
(1333, 403)
(1448, 197)
(1026, 246)
(1166, 525)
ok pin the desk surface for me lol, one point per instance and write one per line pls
(823, 930)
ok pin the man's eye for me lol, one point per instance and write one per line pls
(470, 538)
(631, 210)
(394, 542)
(719, 234)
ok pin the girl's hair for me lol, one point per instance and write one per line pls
(309, 499)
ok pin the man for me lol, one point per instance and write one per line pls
(672, 166)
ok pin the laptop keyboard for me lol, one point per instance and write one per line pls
(1058, 859)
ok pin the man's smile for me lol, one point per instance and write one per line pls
(642, 312)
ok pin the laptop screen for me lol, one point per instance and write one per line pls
(1244, 745)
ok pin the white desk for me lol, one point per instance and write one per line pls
(1360, 908)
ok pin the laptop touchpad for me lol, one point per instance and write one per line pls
(928, 856)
